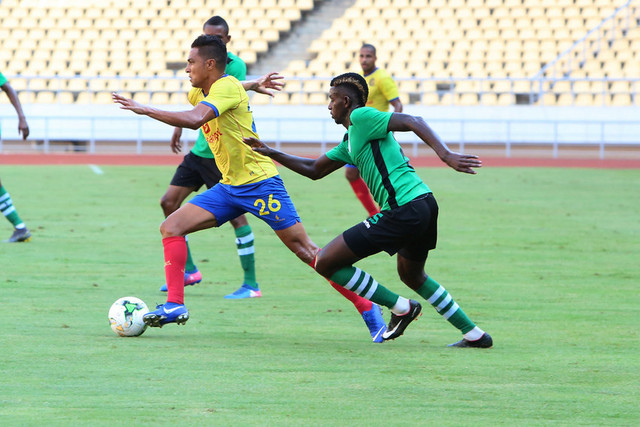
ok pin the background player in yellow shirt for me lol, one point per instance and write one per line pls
(250, 181)
(20, 231)
(382, 92)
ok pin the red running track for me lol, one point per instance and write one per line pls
(174, 160)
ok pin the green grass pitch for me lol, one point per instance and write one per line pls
(546, 260)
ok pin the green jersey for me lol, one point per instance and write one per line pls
(238, 69)
(3, 79)
(368, 145)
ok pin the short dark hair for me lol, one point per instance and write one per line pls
(217, 21)
(369, 46)
(356, 87)
(212, 47)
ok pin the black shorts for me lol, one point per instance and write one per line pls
(410, 230)
(194, 171)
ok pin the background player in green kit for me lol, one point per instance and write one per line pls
(20, 231)
(198, 168)
(407, 223)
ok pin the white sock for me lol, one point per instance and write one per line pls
(474, 334)
(401, 307)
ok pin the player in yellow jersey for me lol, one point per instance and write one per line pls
(382, 89)
(250, 181)
(199, 168)
(382, 92)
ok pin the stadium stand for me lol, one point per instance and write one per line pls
(446, 52)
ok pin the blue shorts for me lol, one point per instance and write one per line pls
(267, 200)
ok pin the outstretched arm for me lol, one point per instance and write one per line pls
(460, 162)
(193, 119)
(266, 84)
(23, 127)
(311, 168)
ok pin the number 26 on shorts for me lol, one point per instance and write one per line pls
(272, 205)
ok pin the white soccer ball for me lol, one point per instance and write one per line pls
(125, 316)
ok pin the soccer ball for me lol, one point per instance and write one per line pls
(125, 316)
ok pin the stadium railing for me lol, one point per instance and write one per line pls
(505, 126)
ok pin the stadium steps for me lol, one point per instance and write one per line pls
(294, 45)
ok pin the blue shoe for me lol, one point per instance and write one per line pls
(375, 322)
(245, 291)
(190, 279)
(166, 313)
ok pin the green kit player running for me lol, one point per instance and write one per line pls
(199, 168)
(20, 231)
(407, 223)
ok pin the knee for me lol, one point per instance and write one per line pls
(168, 205)
(168, 230)
(324, 266)
(413, 279)
(352, 174)
(240, 221)
(305, 255)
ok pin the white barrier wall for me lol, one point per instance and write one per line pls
(509, 125)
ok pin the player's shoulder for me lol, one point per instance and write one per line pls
(382, 74)
(194, 94)
(235, 59)
(227, 80)
(226, 84)
(361, 114)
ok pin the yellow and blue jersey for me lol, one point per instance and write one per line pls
(382, 89)
(237, 162)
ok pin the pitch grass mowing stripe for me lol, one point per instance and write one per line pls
(543, 259)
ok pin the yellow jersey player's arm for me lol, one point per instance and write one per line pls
(390, 91)
(193, 119)
(397, 105)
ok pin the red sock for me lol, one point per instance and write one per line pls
(175, 257)
(360, 303)
(363, 194)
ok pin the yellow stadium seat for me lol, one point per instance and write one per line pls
(260, 100)
(488, 98)
(178, 98)
(160, 98)
(318, 98)
(466, 99)
(565, 99)
(620, 100)
(45, 97)
(85, 98)
(64, 97)
(506, 99)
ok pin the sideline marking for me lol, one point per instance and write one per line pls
(96, 169)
